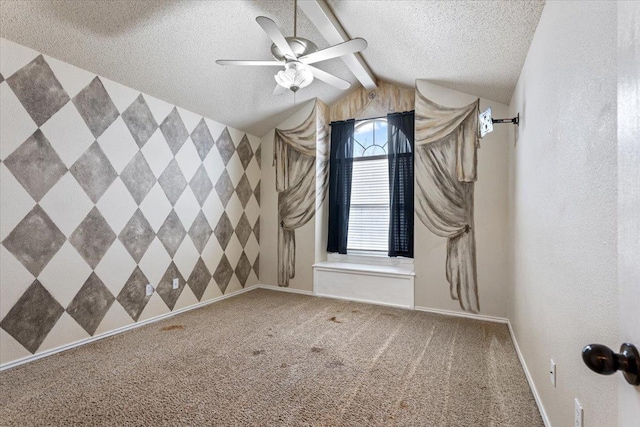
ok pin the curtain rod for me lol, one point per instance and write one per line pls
(372, 118)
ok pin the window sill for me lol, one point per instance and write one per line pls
(367, 269)
(372, 259)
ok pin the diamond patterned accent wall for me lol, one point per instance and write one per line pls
(96, 107)
(35, 240)
(91, 303)
(140, 121)
(36, 165)
(94, 172)
(111, 189)
(32, 317)
(38, 90)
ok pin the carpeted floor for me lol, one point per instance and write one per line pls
(275, 358)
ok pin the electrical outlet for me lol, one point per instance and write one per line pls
(176, 283)
(579, 414)
(149, 289)
(552, 372)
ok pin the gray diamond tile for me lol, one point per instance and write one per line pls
(259, 155)
(200, 232)
(225, 146)
(93, 238)
(96, 107)
(91, 303)
(223, 273)
(256, 193)
(223, 230)
(94, 172)
(243, 230)
(1, 78)
(201, 185)
(165, 287)
(36, 165)
(202, 139)
(224, 188)
(173, 182)
(199, 279)
(133, 296)
(244, 190)
(172, 233)
(137, 235)
(138, 177)
(140, 121)
(256, 266)
(256, 229)
(245, 152)
(174, 131)
(38, 90)
(31, 318)
(35, 240)
(243, 269)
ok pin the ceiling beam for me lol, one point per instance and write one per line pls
(321, 15)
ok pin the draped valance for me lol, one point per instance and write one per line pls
(295, 161)
(445, 164)
(435, 122)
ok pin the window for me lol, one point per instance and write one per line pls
(371, 185)
(369, 211)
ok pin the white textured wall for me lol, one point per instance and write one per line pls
(305, 235)
(562, 207)
(628, 194)
(432, 288)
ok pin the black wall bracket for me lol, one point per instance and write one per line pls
(515, 120)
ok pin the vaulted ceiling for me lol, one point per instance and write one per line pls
(168, 48)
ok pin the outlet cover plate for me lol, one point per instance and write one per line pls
(149, 289)
(579, 417)
(176, 283)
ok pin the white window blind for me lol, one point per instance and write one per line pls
(369, 212)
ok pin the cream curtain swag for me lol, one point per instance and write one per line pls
(445, 165)
(295, 161)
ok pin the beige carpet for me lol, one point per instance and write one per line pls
(275, 358)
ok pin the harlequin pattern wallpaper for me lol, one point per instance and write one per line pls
(105, 190)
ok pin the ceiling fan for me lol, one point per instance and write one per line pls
(297, 54)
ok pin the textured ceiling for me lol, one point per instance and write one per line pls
(477, 47)
(168, 48)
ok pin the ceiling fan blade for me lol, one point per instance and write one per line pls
(275, 35)
(341, 49)
(279, 90)
(248, 62)
(334, 81)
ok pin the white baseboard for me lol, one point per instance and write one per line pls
(527, 374)
(364, 301)
(116, 331)
(284, 289)
(313, 294)
(463, 314)
(418, 308)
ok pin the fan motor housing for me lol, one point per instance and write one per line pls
(299, 46)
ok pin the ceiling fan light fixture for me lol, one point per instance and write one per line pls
(295, 76)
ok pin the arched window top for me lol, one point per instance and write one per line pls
(370, 138)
